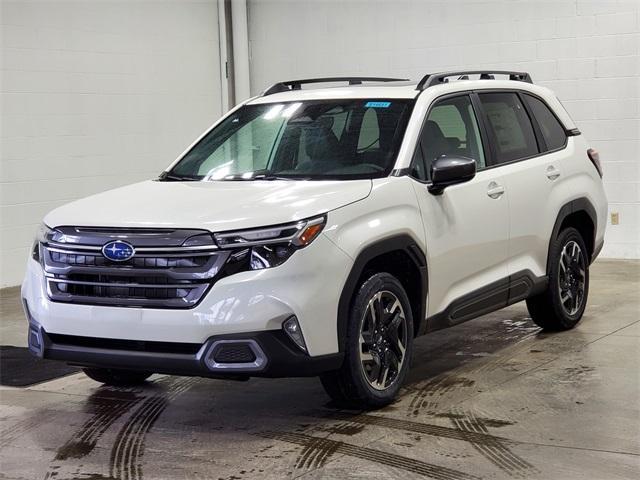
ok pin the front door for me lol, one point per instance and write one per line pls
(467, 226)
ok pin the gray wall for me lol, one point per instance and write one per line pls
(587, 51)
(96, 94)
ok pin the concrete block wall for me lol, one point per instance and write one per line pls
(94, 95)
(586, 50)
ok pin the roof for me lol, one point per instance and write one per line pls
(379, 90)
(405, 89)
(430, 86)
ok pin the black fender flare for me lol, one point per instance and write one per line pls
(402, 242)
(581, 204)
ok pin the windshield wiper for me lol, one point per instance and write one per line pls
(168, 177)
(260, 175)
(269, 176)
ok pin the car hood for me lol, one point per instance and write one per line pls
(215, 206)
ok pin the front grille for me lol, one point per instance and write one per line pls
(98, 260)
(170, 268)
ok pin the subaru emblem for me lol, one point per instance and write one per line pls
(118, 251)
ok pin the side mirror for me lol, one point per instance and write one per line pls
(450, 170)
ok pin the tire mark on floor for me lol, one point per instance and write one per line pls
(344, 428)
(492, 448)
(416, 427)
(12, 433)
(106, 410)
(369, 454)
(125, 461)
(107, 405)
(316, 453)
(425, 397)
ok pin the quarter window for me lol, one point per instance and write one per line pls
(450, 129)
(510, 125)
(552, 131)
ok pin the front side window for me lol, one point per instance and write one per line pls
(450, 129)
(328, 139)
(552, 131)
(511, 127)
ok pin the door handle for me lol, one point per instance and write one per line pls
(552, 172)
(495, 190)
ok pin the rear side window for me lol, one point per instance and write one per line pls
(552, 131)
(510, 125)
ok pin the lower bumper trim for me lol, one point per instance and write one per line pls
(278, 357)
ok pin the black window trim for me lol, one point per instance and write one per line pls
(489, 147)
(534, 122)
(486, 145)
(541, 142)
(567, 133)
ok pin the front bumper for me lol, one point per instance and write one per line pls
(308, 285)
(274, 355)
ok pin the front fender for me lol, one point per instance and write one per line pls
(388, 220)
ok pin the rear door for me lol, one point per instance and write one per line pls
(467, 226)
(529, 147)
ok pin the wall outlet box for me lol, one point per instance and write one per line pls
(615, 218)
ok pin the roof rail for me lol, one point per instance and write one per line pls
(432, 79)
(296, 84)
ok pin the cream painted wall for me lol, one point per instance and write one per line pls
(96, 94)
(586, 50)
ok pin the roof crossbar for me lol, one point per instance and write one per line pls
(432, 79)
(297, 84)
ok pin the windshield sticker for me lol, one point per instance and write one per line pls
(377, 105)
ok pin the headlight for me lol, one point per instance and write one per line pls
(268, 247)
(43, 235)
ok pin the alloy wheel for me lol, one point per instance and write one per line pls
(383, 340)
(571, 277)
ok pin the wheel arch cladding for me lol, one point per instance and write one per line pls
(581, 215)
(399, 256)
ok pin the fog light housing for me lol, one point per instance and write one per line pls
(35, 343)
(34, 337)
(292, 328)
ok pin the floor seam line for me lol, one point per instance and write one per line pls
(612, 333)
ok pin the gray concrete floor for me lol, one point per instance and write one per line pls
(493, 398)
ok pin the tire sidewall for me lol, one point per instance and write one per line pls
(376, 283)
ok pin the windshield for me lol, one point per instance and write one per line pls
(315, 140)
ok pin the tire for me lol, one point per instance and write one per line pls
(561, 305)
(373, 347)
(115, 377)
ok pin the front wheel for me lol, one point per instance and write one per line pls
(378, 346)
(116, 377)
(561, 306)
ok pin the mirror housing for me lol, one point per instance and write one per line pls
(450, 170)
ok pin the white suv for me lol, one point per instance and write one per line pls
(319, 231)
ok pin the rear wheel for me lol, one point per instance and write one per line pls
(116, 377)
(378, 345)
(561, 306)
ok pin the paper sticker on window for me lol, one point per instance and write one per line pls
(377, 105)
